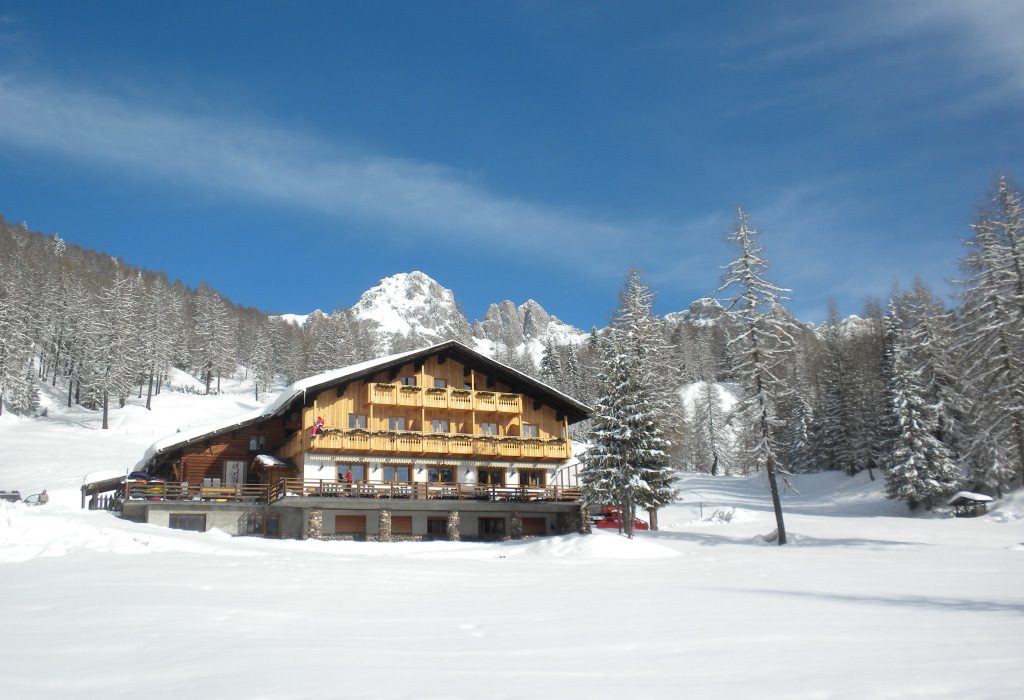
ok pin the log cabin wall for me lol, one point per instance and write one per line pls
(207, 461)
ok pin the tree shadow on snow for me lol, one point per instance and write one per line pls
(924, 602)
(796, 540)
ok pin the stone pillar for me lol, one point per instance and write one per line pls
(583, 514)
(315, 528)
(385, 526)
(453, 526)
(516, 527)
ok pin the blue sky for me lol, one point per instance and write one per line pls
(291, 154)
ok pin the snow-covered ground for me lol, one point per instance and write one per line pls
(868, 601)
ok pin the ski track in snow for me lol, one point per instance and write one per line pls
(868, 600)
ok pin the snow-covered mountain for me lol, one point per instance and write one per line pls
(527, 327)
(701, 312)
(412, 302)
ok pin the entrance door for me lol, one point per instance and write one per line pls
(234, 472)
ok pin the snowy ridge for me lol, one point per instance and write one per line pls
(412, 302)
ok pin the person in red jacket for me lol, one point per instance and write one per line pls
(318, 427)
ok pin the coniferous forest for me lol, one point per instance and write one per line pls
(926, 395)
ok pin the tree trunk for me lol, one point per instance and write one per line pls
(71, 382)
(776, 502)
(652, 516)
(106, 403)
(149, 394)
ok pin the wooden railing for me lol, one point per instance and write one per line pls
(383, 394)
(183, 491)
(411, 442)
(299, 488)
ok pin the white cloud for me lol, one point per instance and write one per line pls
(406, 196)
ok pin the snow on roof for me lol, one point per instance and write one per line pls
(102, 475)
(283, 399)
(271, 461)
(968, 496)
(299, 388)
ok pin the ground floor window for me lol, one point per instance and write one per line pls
(401, 524)
(262, 524)
(397, 473)
(532, 477)
(492, 527)
(491, 477)
(437, 527)
(358, 471)
(188, 521)
(441, 475)
(349, 524)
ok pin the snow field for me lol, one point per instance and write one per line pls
(869, 601)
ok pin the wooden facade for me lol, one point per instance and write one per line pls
(443, 414)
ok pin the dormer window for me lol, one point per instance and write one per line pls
(440, 383)
(407, 381)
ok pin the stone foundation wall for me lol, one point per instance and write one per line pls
(453, 526)
(315, 525)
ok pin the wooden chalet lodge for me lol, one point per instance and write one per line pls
(438, 443)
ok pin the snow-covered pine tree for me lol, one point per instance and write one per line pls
(919, 469)
(991, 330)
(760, 349)
(711, 440)
(628, 463)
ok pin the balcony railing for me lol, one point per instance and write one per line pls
(416, 443)
(298, 488)
(450, 398)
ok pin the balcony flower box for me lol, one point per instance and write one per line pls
(410, 388)
(485, 394)
(510, 397)
(385, 387)
(461, 392)
(436, 390)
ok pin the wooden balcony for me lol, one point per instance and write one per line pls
(416, 443)
(292, 488)
(447, 398)
(298, 488)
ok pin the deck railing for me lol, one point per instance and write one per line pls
(299, 488)
(413, 443)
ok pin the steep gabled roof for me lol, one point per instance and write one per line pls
(296, 393)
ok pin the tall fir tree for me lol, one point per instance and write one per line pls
(919, 469)
(760, 351)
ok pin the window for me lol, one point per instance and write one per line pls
(467, 385)
(356, 421)
(491, 528)
(531, 477)
(530, 430)
(257, 443)
(491, 477)
(401, 524)
(440, 383)
(408, 381)
(188, 521)
(358, 472)
(439, 425)
(393, 473)
(441, 475)
(349, 524)
(488, 428)
(262, 524)
(396, 423)
(437, 528)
